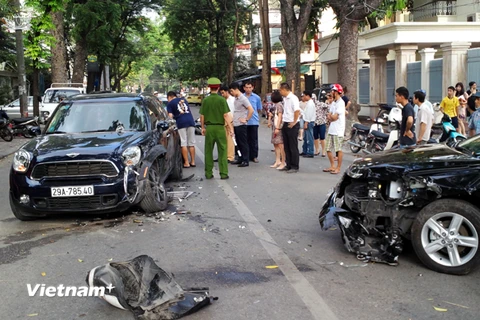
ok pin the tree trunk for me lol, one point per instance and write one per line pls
(81, 53)
(59, 57)
(231, 60)
(35, 93)
(267, 49)
(347, 60)
(293, 30)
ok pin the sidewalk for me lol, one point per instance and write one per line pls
(7, 148)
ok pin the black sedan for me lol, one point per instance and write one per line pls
(97, 154)
(429, 195)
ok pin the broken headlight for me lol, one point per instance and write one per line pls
(131, 156)
(21, 160)
(355, 171)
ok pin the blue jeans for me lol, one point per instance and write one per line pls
(308, 139)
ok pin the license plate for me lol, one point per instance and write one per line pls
(75, 191)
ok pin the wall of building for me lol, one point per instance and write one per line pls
(466, 8)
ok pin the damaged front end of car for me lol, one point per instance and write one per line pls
(375, 205)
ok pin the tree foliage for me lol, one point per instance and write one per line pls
(202, 35)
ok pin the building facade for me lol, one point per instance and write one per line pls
(432, 47)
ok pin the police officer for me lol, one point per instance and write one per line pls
(214, 114)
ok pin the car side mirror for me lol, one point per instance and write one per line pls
(163, 125)
(39, 99)
(35, 131)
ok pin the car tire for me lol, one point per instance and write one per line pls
(6, 134)
(177, 170)
(155, 198)
(19, 213)
(437, 246)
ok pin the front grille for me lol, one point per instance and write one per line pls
(92, 202)
(74, 168)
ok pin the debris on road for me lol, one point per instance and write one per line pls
(180, 195)
(271, 267)
(150, 293)
(456, 304)
(43, 274)
(440, 309)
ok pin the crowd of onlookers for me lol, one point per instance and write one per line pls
(319, 122)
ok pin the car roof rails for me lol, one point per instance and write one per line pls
(70, 85)
(102, 91)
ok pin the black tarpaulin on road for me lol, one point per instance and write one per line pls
(142, 287)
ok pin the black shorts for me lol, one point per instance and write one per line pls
(455, 122)
(319, 131)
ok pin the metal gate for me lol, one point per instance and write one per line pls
(390, 82)
(414, 77)
(364, 85)
(473, 66)
(434, 93)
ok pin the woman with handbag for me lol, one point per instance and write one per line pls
(275, 117)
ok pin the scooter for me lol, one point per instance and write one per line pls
(358, 137)
(450, 135)
(198, 127)
(359, 133)
(24, 126)
(379, 141)
(5, 132)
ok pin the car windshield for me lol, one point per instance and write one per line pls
(56, 95)
(83, 116)
(472, 145)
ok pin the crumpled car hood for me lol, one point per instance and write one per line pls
(420, 158)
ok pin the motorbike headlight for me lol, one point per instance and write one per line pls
(131, 156)
(21, 161)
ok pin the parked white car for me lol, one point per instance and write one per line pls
(13, 108)
(54, 95)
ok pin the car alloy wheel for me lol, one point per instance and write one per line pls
(445, 236)
(449, 239)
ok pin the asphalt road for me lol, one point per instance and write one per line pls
(234, 229)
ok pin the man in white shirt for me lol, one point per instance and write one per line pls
(291, 113)
(230, 145)
(336, 130)
(309, 115)
(424, 119)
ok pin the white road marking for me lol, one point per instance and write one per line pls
(310, 297)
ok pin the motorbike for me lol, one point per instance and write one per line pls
(450, 135)
(6, 132)
(360, 133)
(379, 141)
(358, 137)
(198, 127)
(24, 126)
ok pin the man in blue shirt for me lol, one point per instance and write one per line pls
(179, 110)
(254, 122)
(474, 123)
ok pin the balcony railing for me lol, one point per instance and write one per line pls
(433, 9)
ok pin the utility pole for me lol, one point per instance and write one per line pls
(22, 79)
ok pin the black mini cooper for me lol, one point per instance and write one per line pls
(98, 153)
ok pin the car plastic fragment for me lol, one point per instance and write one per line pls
(150, 293)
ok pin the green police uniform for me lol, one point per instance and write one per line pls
(213, 109)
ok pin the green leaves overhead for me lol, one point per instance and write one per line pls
(202, 35)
